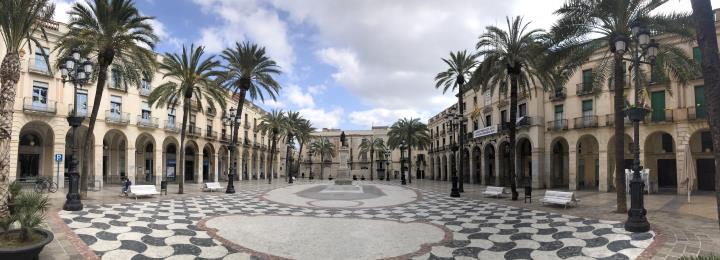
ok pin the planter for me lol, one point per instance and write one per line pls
(28, 252)
(635, 114)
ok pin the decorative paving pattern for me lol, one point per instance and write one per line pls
(332, 196)
(141, 230)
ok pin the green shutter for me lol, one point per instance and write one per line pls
(558, 109)
(700, 101)
(697, 54)
(658, 106)
(587, 79)
(587, 105)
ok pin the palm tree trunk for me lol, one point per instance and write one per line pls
(372, 152)
(461, 138)
(236, 127)
(181, 164)
(410, 164)
(322, 164)
(10, 75)
(707, 40)
(514, 73)
(618, 103)
(272, 156)
(104, 61)
(299, 161)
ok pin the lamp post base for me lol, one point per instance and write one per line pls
(230, 187)
(637, 222)
(73, 202)
(454, 192)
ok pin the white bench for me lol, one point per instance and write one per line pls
(559, 198)
(142, 190)
(212, 186)
(494, 191)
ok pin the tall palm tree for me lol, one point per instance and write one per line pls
(603, 20)
(461, 66)
(196, 83)
(415, 133)
(114, 33)
(20, 23)
(703, 15)
(323, 147)
(276, 123)
(249, 71)
(294, 124)
(303, 132)
(509, 55)
(372, 146)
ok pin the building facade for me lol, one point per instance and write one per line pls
(359, 163)
(565, 137)
(130, 138)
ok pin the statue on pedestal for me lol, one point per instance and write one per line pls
(342, 139)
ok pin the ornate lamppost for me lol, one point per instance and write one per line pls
(403, 148)
(77, 71)
(289, 144)
(453, 119)
(310, 154)
(645, 52)
(387, 164)
(232, 121)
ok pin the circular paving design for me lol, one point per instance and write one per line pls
(328, 195)
(325, 238)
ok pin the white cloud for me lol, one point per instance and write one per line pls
(62, 7)
(386, 117)
(345, 61)
(316, 89)
(322, 118)
(297, 97)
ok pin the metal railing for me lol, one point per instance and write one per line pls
(694, 114)
(558, 94)
(47, 107)
(144, 92)
(584, 89)
(40, 67)
(117, 118)
(171, 126)
(115, 86)
(225, 137)
(194, 131)
(585, 122)
(557, 125)
(246, 142)
(610, 120)
(80, 112)
(665, 115)
(209, 134)
(149, 122)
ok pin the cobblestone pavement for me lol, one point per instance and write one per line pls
(472, 220)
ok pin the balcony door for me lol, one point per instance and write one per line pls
(700, 101)
(587, 112)
(657, 100)
(40, 95)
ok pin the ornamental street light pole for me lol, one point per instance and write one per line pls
(403, 148)
(647, 49)
(387, 164)
(310, 154)
(453, 119)
(231, 120)
(289, 144)
(77, 71)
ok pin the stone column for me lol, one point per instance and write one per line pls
(158, 165)
(471, 163)
(483, 172)
(98, 155)
(216, 165)
(548, 174)
(449, 169)
(130, 166)
(198, 166)
(537, 164)
(498, 160)
(603, 176)
(572, 168)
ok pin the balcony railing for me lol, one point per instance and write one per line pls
(147, 122)
(694, 114)
(661, 116)
(47, 107)
(225, 137)
(82, 111)
(38, 66)
(502, 127)
(193, 131)
(526, 121)
(247, 126)
(584, 89)
(246, 142)
(171, 126)
(610, 120)
(145, 92)
(117, 118)
(558, 94)
(212, 135)
(116, 86)
(585, 122)
(210, 112)
(557, 125)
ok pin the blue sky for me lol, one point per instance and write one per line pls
(348, 64)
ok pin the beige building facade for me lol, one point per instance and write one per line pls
(359, 163)
(565, 137)
(130, 138)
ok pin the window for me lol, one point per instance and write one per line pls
(192, 123)
(115, 106)
(488, 98)
(667, 143)
(522, 110)
(474, 101)
(488, 120)
(503, 116)
(145, 87)
(475, 125)
(657, 102)
(246, 120)
(559, 117)
(115, 77)
(171, 117)
(654, 77)
(245, 136)
(697, 54)
(254, 122)
(587, 80)
(40, 94)
(587, 112)
(40, 63)
(145, 111)
(700, 101)
(209, 126)
(706, 141)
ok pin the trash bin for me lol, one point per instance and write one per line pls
(163, 187)
(528, 194)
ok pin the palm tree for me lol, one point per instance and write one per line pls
(303, 132)
(118, 36)
(371, 146)
(295, 122)
(20, 22)
(195, 76)
(276, 123)
(461, 66)
(325, 149)
(249, 70)
(509, 55)
(703, 15)
(604, 20)
(415, 133)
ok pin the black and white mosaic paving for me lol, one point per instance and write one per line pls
(480, 230)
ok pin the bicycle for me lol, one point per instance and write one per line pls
(42, 184)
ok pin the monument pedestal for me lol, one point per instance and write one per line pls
(343, 172)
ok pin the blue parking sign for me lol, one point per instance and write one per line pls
(58, 157)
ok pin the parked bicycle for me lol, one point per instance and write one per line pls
(42, 184)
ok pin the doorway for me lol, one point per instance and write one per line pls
(706, 174)
(29, 165)
(189, 170)
(667, 173)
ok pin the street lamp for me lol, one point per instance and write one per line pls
(637, 220)
(452, 118)
(402, 146)
(232, 120)
(387, 164)
(289, 144)
(77, 71)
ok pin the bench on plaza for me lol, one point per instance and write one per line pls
(212, 186)
(559, 198)
(494, 191)
(142, 190)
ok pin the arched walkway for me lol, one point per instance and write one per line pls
(223, 163)
(115, 154)
(466, 165)
(477, 166)
(145, 159)
(559, 165)
(170, 157)
(490, 176)
(208, 163)
(703, 172)
(35, 151)
(191, 161)
(505, 164)
(80, 141)
(588, 169)
(524, 162)
(660, 157)
(628, 159)
(244, 165)
(444, 168)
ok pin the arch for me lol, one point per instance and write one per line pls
(245, 165)
(80, 141)
(702, 175)
(208, 163)
(559, 165)
(659, 152)
(223, 165)
(628, 158)
(489, 158)
(505, 163)
(444, 168)
(170, 157)
(115, 155)
(191, 161)
(523, 160)
(145, 149)
(35, 151)
(466, 165)
(588, 161)
(477, 159)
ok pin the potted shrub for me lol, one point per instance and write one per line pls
(28, 209)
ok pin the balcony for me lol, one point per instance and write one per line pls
(193, 131)
(224, 137)
(247, 126)
(610, 120)
(527, 121)
(115, 86)
(50, 25)
(82, 111)
(38, 66)
(558, 94)
(611, 85)
(246, 142)
(557, 125)
(48, 107)
(147, 122)
(210, 112)
(119, 118)
(585, 122)
(194, 105)
(661, 116)
(503, 127)
(256, 145)
(584, 89)
(171, 126)
(211, 135)
(144, 92)
(694, 113)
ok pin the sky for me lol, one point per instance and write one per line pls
(348, 64)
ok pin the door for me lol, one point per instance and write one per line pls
(700, 101)
(658, 106)
(667, 173)
(206, 170)
(581, 174)
(706, 174)
(29, 165)
(149, 170)
(189, 170)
